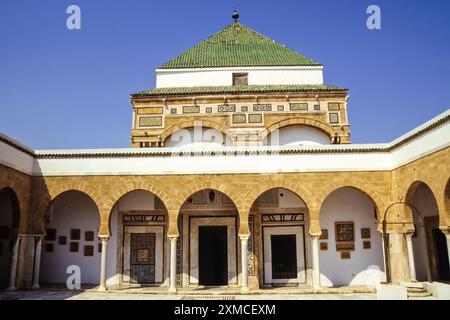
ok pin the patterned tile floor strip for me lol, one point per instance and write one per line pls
(213, 297)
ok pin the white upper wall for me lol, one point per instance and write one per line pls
(224, 76)
(12, 157)
(297, 135)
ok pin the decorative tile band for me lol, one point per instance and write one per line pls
(332, 106)
(298, 106)
(153, 110)
(150, 121)
(255, 118)
(262, 107)
(251, 246)
(239, 118)
(334, 117)
(227, 108)
(191, 109)
(179, 268)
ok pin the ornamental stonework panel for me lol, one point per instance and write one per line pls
(179, 268)
(150, 121)
(251, 246)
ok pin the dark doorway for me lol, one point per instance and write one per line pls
(284, 256)
(440, 244)
(213, 256)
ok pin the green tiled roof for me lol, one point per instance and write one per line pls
(237, 89)
(238, 46)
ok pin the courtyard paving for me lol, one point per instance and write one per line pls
(92, 295)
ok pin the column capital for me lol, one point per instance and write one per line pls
(244, 236)
(173, 236)
(409, 235)
(315, 235)
(103, 238)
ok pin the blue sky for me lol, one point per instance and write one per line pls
(70, 89)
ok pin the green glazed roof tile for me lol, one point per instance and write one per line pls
(237, 89)
(238, 46)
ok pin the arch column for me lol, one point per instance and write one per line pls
(315, 232)
(104, 240)
(13, 270)
(244, 262)
(173, 263)
(37, 261)
(409, 246)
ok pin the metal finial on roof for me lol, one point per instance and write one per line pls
(235, 15)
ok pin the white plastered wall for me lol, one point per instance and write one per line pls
(72, 210)
(197, 137)
(366, 265)
(297, 135)
(224, 76)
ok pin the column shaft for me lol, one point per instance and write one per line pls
(412, 268)
(244, 263)
(102, 286)
(173, 264)
(37, 262)
(13, 270)
(315, 260)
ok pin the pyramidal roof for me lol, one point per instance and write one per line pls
(238, 46)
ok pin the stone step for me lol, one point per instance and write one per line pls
(412, 284)
(413, 294)
(416, 290)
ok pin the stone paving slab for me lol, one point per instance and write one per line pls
(91, 295)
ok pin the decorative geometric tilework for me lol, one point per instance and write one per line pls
(173, 110)
(298, 106)
(280, 108)
(157, 110)
(255, 118)
(268, 199)
(317, 107)
(250, 246)
(282, 217)
(208, 110)
(334, 118)
(244, 109)
(191, 109)
(179, 270)
(262, 107)
(142, 255)
(239, 118)
(227, 108)
(332, 106)
(150, 121)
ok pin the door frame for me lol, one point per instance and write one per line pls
(267, 232)
(159, 253)
(232, 246)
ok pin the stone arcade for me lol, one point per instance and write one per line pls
(241, 175)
